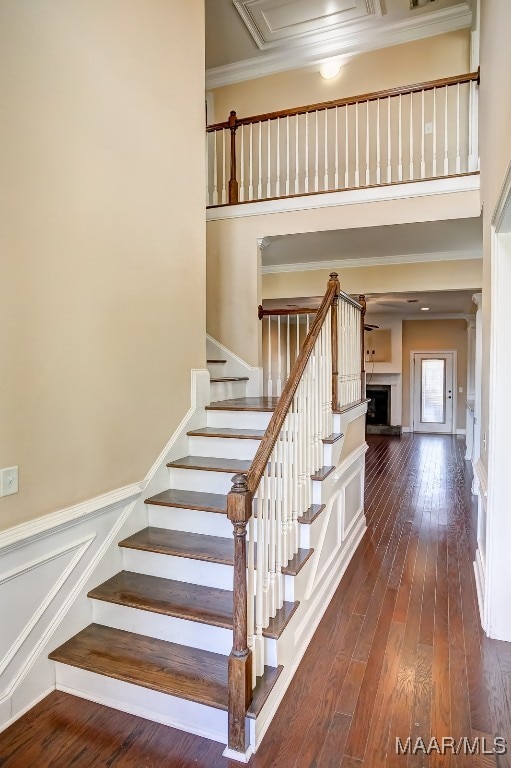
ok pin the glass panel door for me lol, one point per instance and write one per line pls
(433, 391)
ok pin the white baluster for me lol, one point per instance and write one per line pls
(458, 158)
(242, 164)
(325, 178)
(316, 154)
(260, 164)
(347, 150)
(270, 388)
(268, 149)
(267, 544)
(306, 151)
(434, 133)
(288, 346)
(277, 186)
(250, 167)
(411, 138)
(400, 141)
(423, 157)
(273, 537)
(250, 595)
(297, 164)
(368, 175)
(336, 172)
(446, 133)
(357, 158)
(279, 360)
(224, 170)
(287, 156)
(260, 619)
(279, 515)
(208, 196)
(215, 169)
(378, 143)
(389, 144)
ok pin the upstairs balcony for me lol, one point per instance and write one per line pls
(419, 133)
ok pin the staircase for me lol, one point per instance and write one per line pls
(219, 595)
(176, 585)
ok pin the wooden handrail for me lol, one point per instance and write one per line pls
(274, 311)
(267, 444)
(390, 92)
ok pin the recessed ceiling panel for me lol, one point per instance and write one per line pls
(273, 21)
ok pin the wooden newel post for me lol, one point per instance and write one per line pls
(362, 300)
(334, 279)
(233, 183)
(239, 511)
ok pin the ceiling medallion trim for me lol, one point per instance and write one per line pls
(306, 52)
(372, 9)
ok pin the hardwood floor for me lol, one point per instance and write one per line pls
(398, 653)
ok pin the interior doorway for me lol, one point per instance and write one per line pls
(434, 394)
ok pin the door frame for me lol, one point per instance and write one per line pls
(433, 352)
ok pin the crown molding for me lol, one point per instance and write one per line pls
(372, 261)
(308, 53)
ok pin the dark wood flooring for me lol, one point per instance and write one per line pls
(399, 651)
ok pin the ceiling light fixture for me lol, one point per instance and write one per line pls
(425, 309)
(330, 69)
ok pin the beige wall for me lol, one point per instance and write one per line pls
(390, 278)
(102, 292)
(414, 62)
(233, 262)
(495, 148)
(434, 336)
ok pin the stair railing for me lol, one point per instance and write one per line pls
(277, 490)
(409, 133)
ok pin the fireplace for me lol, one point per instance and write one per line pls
(379, 410)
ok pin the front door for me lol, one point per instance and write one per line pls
(433, 392)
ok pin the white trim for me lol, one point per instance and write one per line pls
(444, 186)
(503, 206)
(461, 432)
(437, 316)
(239, 757)
(25, 533)
(416, 27)
(452, 352)
(372, 261)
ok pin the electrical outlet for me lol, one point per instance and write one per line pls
(428, 128)
(8, 481)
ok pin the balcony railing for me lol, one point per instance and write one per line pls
(412, 133)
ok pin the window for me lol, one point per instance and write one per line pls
(433, 391)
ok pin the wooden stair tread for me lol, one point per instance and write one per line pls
(333, 438)
(206, 605)
(262, 690)
(229, 378)
(311, 514)
(207, 502)
(322, 473)
(193, 602)
(296, 563)
(240, 434)
(196, 546)
(266, 404)
(216, 361)
(211, 464)
(177, 670)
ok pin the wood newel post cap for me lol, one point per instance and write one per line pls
(233, 119)
(239, 484)
(362, 300)
(334, 278)
(239, 501)
(260, 313)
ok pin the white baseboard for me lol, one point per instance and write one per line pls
(479, 573)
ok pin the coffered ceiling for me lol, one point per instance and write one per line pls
(252, 38)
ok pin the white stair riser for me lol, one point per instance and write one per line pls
(200, 719)
(191, 571)
(170, 628)
(201, 480)
(226, 390)
(238, 419)
(217, 369)
(223, 448)
(178, 568)
(190, 520)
